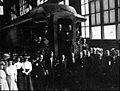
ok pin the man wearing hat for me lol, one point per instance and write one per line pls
(39, 73)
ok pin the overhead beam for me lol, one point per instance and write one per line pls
(54, 1)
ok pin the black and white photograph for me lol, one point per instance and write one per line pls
(59, 45)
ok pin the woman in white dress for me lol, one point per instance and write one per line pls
(11, 72)
(27, 68)
(3, 81)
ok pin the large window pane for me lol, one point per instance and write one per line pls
(118, 3)
(118, 34)
(92, 5)
(83, 9)
(93, 19)
(96, 32)
(82, 2)
(87, 8)
(112, 16)
(110, 32)
(106, 19)
(87, 32)
(66, 2)
(98, 6)
(1, 10)
(105, 4)
(119, 14)
(98, 18)
(83, 32)
(112, 4)
(87, 21)
(82, 24)
(86, 1)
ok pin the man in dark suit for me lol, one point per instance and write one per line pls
(39, 73)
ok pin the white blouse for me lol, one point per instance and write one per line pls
(27, 65)
(18, 65)
(11, 70)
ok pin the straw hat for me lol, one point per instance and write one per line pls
(5, 56)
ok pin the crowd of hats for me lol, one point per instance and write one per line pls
(10, 56)
(84, 68)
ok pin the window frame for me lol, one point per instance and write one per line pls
(85, 26)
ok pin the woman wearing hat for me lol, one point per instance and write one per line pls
(3, 81)
(19, 67)
(27, 68)
(11, 75)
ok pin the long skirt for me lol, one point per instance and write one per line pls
(3, 85)
(11, 83)
(20, 80)
(27, 82)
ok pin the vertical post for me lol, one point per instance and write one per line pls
(90, 34)
(55, 35)
(102, 19)
(116, 18)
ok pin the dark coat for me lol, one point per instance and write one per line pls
(38, 70)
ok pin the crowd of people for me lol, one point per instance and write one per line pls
(14, 74)
(83, 71)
